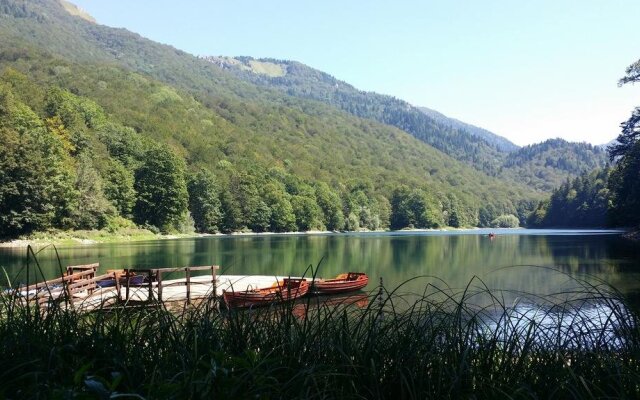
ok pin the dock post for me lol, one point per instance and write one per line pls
(127, 275)
(214, 281)
(118, 286)
(188, 272)
(150, 297)
(159, 275)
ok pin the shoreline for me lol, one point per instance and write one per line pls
(88, 238)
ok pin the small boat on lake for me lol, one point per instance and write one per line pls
(342, 283)
(287, 289)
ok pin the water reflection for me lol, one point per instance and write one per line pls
(600, 325)
(518, 260)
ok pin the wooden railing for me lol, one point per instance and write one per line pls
(79, 279)
(154, 279)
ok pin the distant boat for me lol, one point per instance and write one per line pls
(288, 289)
(492, 235)
(342, 283)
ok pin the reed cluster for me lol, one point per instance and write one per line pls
(439, 344)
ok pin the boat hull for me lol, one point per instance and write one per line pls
(344, 283)
(288, 289)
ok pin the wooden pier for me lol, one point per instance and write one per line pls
(79, 288)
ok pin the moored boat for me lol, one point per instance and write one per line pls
(285, 290)
(342, 283)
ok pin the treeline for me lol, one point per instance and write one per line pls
(581, 202)
(74, 168)
(608, 197)
(547, 165)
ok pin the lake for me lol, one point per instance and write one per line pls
(517, 260)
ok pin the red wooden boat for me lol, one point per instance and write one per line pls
(342, 283)
(288, 289)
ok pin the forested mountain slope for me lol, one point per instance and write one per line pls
(119, 109)
(502, 143)
(483, 150)
(549, 164)
(299, 80)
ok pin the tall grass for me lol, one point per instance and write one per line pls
(440, 344)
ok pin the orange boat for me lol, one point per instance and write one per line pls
(342, 283)
(288, 289)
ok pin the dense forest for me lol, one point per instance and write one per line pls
(541, 167)
(67, 164)
(501, 143)
(609, 197)
(104, 129)
(549, 164)
(581, 202)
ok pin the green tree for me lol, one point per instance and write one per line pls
(244, 189)
(77, 115)
(282, 217)
(35, 179)
(231, 220)
(308, 213)
(204, 201)
(624, 184)
(123, 144)
(162, 190)
(506, 221)
(91, 209)
(331, 206)
(260, 217)
(119, 188)
(414, 209)
(402, 215)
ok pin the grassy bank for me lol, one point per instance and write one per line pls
(436, 345)
(75, 237)
(67, 238)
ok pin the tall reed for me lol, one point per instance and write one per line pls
(441, 343)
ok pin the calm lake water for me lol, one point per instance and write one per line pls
(530, 261)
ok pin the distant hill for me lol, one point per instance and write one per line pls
(302, 81)
(477, 147)
(500, 142)
(549, 164)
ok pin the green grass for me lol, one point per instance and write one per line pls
(439, 344)
(75, 237)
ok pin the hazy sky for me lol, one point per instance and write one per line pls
(527, 70)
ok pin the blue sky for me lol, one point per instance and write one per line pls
(527, 70)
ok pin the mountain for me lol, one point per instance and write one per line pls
(301, 81)
(477, 147)
(129, 119)
(549, 164)
(500, 142)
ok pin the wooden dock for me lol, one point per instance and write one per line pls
(78, 288)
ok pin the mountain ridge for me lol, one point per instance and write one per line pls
(302, 81)
(477, 147)
(501, 142)
(272, 155)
